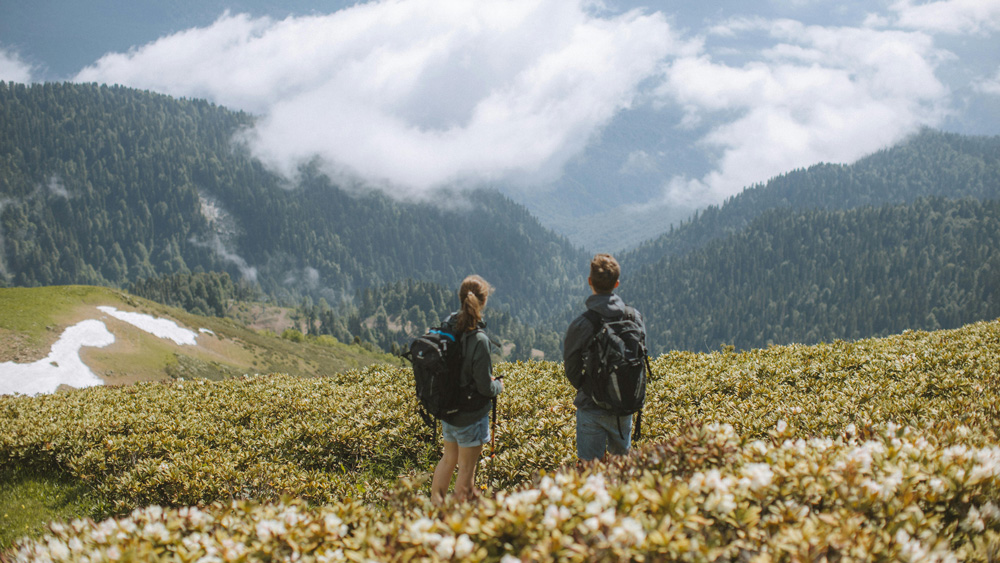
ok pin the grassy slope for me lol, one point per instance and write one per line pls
(33, 319)
(352, 435)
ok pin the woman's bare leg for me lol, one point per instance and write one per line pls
(443, 472)
(465, 484)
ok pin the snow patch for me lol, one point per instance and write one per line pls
(163, 328)
(63, 365)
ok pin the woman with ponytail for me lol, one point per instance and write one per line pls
(466, 431)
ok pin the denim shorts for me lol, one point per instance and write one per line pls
(598, 433)
(475, 434)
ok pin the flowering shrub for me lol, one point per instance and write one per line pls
(898, 495)
(881, 449)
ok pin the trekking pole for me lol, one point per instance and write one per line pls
(493, 443)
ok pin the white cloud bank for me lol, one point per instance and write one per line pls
(989, 85)
(414, 93)
(814, 94)
(12, 68)
(949, 16)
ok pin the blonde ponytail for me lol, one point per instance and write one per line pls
(472, 294)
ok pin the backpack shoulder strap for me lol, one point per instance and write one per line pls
(595, 318)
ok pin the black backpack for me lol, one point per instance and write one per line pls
(437, 375)
(616, 363)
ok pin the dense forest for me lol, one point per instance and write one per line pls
(820, 275)
(203, 293)
(931, 163)
(124, 188)
(392, 315)
(109, 185)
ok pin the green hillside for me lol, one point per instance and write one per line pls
(929, 164)
(814, 275)
(35, 318)
(876, 450)
(109, 185)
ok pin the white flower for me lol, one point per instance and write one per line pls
(555, 515)
(990, 511)
(446, 547)
(464, 546)
(551, 519)
(76, 545)
(58, 549)
(607, 517)
(595, 486)
(551, 490)
(973, 521)
(335, 525)
(938, 485)
(331, 557)
(629, 532)
(507, 558)
(114, 554)
(782, 426)
(522, 498)
(232, 549)
(720, 503)
(422, 525)
(266, 529)
(987, 465)
(756, 476)
(156, 531)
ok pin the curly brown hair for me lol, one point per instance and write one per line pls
(604, 272)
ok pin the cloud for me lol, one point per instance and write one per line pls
(215, 244)
(813, 94)
(56, 187)
(988, 85)
(639, 162)
(413, 94)
(949, 16)
(12, 68)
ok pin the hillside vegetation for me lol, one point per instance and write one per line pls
(34, 318)
(817, 275)
(875, 450)
(122, 188)
(110, 185)
(929, 164)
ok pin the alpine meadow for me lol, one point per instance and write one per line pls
(824, 385)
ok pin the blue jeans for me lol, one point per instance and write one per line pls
(475, 434)
(597, 433)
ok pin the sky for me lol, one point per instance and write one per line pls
(680, 105)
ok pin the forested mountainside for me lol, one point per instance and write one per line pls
(807, 276)
(930, 163)
(392, 315)
(109, 185)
